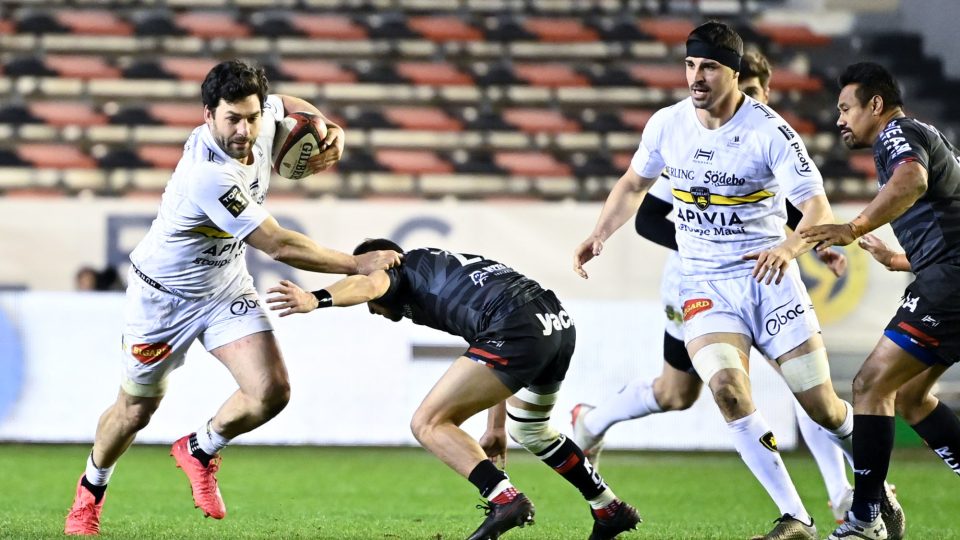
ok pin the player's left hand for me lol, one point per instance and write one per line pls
(494, 444)
(331, 150)
(291, 298)
(824, 236)
(771, 263)
(835, 261)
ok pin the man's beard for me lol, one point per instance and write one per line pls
(233, 151)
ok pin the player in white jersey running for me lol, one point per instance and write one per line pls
(732, 161)
(189, 281)
(678, 386)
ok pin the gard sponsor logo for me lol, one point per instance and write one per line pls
(788, 133)
(148, 353)
(804, 167)
(777, 319)
(703, 156)
(721, 178)
(550, 321)
(695, 306)
(701, 197)
(769, 441)
(764, 110)
(894, 142)
(234, 201)
(243, 305)
(682, 174)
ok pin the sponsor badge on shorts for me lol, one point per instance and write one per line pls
(148, 353)
(234, 201)
(694, 306)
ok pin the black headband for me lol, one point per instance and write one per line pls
(701, 49)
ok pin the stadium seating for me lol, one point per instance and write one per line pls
(445, 89)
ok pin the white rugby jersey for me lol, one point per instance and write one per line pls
(212, 202)
(728, 184)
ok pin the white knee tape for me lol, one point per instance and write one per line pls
(806, 371)
(530, 429)
(537, 399)
(715, 357)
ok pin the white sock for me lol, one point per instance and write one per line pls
(603, 499)
(766, 465)
(97, 476)
(635, 400)
(502, 486)
(209, 440)
(843, 435)
(827, 454)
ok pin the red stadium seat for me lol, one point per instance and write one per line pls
(160, 156)
(552, 75)
(328, 26)
(6, 27)
(316, 71)
(433, 74)
(212, 24)
(636, 119)
(177, 114)
(659, 76)
(422, 118)
(188, 69)
(800, 125)
(55, 156)
(784, 79)
(444, 28)
(560, 30)
(621, 160)
(413, 162)
(669, 31)
(540, 120)
(863, 163)
(63, 113)
(93, 21)
(81, 67)
(530, 164)
(791, 35)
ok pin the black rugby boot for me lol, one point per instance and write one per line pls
(503, 517)
(624, 519)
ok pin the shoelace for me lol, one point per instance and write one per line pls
(487, 507)
(86, 512)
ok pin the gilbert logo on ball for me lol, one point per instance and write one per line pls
(299, 136)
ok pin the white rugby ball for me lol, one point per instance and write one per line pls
(299, 136)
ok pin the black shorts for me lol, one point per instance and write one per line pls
(927, 325)
(528, 346)
(675, 354)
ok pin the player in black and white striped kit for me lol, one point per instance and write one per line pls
(918, 173)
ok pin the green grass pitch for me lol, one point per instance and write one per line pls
(405, 493)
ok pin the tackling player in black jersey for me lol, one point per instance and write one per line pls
(520, 343)
(919, 180)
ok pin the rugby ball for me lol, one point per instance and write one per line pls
(298, 138)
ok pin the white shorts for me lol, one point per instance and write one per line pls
(777, 317)
(159, 327)
(670, 296)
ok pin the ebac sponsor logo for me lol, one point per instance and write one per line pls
(777, 319)
(694, 306)
(148, 353)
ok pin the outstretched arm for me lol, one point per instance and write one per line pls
(349, 291)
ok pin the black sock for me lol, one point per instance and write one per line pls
(486, 476)
(98, 491)
(872, 446)
(941, 431)
(195, 451)
(567, 459)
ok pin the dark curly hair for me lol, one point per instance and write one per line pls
(232, 81)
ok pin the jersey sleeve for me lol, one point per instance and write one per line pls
(792, 166)
(647, 161)
(273, 108)
(902, 142)
(222, 199)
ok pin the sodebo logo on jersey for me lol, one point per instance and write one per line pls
(721, 178)
(779, 319)
(551, 322)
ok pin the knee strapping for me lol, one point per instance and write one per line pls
(531, 429)
(715, 357)
(806, 371)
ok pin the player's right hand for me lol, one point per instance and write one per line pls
(877, 248)
(494, 445)
(590, 248)
(372, 261)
